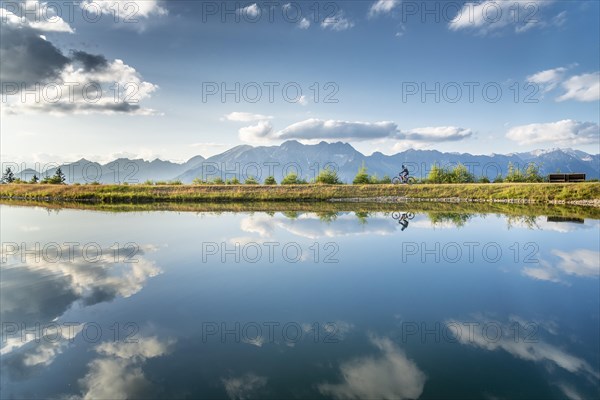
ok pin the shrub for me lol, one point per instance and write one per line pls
(217, 181)
(233, 181)
(250, 181)
(328, 176)
(385, 180)
(484, 179)
(292, 179)
(270, 180)
(362, 178)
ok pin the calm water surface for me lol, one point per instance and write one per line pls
(298, 305)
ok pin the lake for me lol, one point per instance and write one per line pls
(395, 304)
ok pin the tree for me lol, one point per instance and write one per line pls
(385, 180)
(292, 179)
(514, 174)
(233, 181)
(217, 181)
(34, 179)
(250, 181)
(328, 176)
(436, 175)
(8, 176)
(460, 174)
(361, 178)
(532, 173)
(59, 177)
(270, 180)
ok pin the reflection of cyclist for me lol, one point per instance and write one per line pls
(404, 173)
(404, 223)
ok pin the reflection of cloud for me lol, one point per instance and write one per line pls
(579, 262)
(389, 376)
(535, 350)
(40, 291)
(243, 387)
(310, 226)
(118, 373)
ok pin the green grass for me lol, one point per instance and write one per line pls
(535, 192)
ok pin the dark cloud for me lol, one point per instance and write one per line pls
(90, 62)
(26, 58)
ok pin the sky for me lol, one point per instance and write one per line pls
(174, 79)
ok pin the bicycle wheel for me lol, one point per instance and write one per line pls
(410, 215)
(396, 214)
(411, 180)
(396, 180)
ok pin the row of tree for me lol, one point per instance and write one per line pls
(437, 174)
(57, 179)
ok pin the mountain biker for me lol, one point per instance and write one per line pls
(404, 173)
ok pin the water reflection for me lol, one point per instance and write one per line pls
(388, 375)
(547, 274)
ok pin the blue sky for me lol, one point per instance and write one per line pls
(373, 57)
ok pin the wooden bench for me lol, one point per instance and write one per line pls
(566, 177)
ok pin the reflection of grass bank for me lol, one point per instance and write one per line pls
(435, 211)
(532, 192)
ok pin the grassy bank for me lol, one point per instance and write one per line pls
(533, 192)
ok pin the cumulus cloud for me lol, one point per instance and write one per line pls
(390, 375)
(244, 387)
(125, 9)
(382, 7)
(584, 87)
(57, 83)
(317, 129)
(256, 133)
(580, 262)
(338, 22)
(562, 133)
(252, 11)
(493, 15)
(34, 14)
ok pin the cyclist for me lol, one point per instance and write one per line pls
(404, 173)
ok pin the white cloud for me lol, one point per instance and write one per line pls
(493, 15)
(36, 15)
(548, 79)
(391, 375)
(332, 129)
(383, 7)
(113, 88)
(318, 129)
(125, 9)
(561, 133)
(337, 23)
(256, 133)
(243, 387)
(584, 87)
(245, 117)
(304, 23)
(252, 11)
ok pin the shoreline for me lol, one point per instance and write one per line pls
(581, 194)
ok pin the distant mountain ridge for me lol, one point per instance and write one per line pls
(306, 160)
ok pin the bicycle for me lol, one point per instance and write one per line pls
(409, 180)
(401, 215)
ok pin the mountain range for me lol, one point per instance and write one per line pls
(306, 160)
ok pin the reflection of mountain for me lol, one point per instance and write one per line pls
(39, 291)
(312, 226)
(390, 375)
